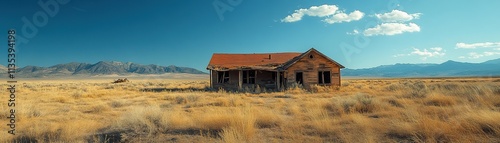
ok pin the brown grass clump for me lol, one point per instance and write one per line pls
(237, 123)
(360, 103)
(215, 120)
(483, 124)
(153, 110)
(144, 121)
(440, 100)
(265, 118)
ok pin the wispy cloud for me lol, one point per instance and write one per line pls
(495, 46)
(432, 52)
(399, 55)
(491, 53)
(479, 45)
(397, 16)
(331, 12)
(354, 32)
(391, 29)
(424, 53)
(474, 55)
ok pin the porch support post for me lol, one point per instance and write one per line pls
(278, 84)
(211, 82)
(255, 76)
(240, 79)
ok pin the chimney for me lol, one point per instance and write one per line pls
(269, 56)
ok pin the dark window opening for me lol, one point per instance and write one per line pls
(223, 76)
(273, 76)
(311, 56)
(249, 77)
(245, 76)
(324, 77)
(299, 78)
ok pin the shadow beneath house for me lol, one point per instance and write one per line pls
(174, 89)
(25, 139)
(210, 133)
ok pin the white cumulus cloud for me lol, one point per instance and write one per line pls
(343, 17)
(330, 11)
(391, 29)
(397, 16)
(393, 23)
(319, 11)
(478, 45)
(432, 52)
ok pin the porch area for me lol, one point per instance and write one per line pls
(247, 79)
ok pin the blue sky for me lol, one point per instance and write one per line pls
(355, 33)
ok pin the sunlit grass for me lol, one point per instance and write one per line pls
(385, 110)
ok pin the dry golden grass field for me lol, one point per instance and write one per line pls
(361, 110)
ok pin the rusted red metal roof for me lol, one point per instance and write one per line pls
(267, 61)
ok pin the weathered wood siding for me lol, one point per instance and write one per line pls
(310, 67)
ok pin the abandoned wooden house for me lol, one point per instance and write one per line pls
(273, 70)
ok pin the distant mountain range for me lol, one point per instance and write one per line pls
(446, 69)
(99, 68)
